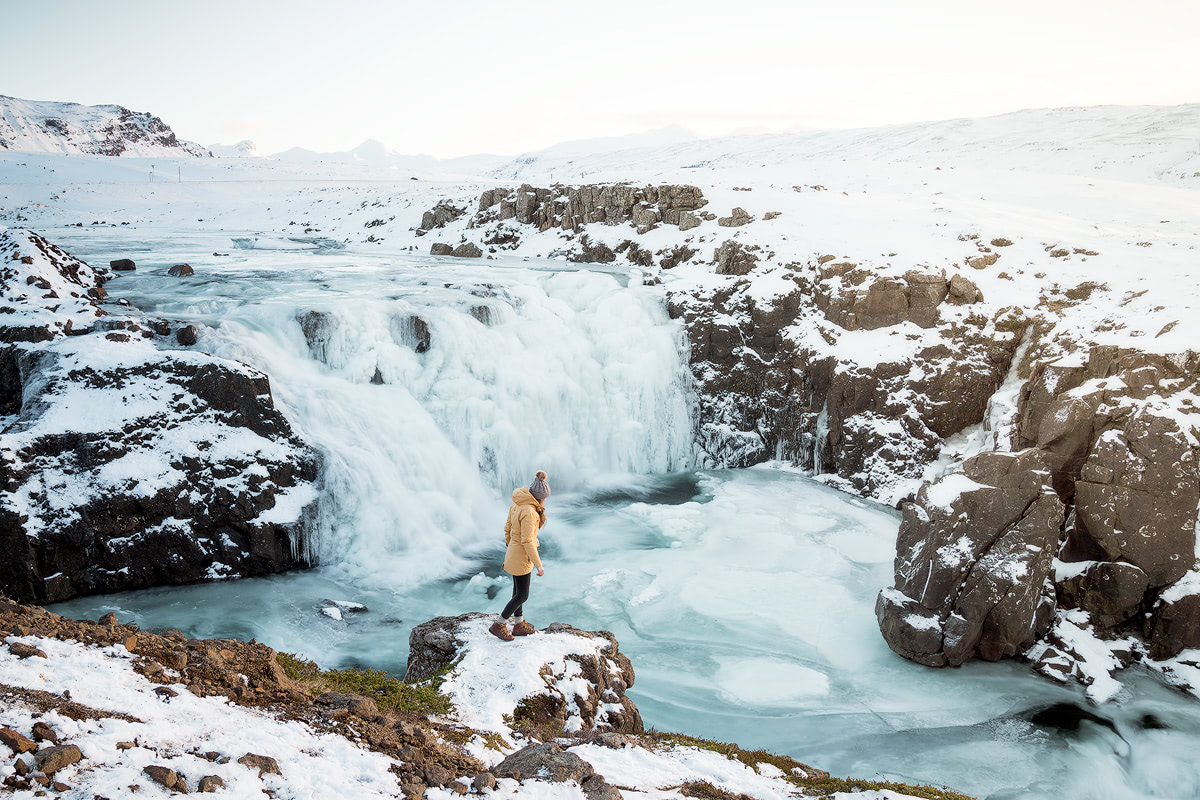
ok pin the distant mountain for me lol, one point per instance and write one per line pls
(374, 153)
(243, 149)
(41, 126)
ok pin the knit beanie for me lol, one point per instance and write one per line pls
(538, 487)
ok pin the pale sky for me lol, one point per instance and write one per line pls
(507, 76)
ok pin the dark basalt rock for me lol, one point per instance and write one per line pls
(764, 393)
(467, 250)
(181, 271)
(123, 265)
(1112, 592)
(971, 567)
(187, 335)
(188, 511)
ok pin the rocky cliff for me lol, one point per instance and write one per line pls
(127, 459)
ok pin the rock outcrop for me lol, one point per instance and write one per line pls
(125, 463)
(973, 560)
(1108, 436)
(591, 659)
(572, 207)
(772, 383)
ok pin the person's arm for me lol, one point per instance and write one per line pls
(528, 523)
(507, 530)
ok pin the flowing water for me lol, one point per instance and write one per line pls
(744, 597)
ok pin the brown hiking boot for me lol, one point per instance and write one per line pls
(500, 631)
(523, 628)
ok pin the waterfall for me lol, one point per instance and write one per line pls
(432, 400)
(820, 437)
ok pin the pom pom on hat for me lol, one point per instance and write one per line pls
(538, 487)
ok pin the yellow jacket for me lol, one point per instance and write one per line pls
(525, 516)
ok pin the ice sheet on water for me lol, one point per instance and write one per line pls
(771, 682)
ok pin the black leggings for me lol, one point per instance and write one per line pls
(520, 595)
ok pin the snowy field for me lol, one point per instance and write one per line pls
(744, 599)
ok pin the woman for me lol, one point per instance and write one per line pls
(526, 516)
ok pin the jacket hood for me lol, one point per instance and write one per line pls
(522, 497)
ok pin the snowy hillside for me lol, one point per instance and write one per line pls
(1135, 143)
(74, 129)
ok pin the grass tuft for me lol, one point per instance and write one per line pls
(389, 692)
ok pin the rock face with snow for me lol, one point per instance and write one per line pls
(1107, 438)
(579, 686)
(71, 128)
(973, 561)
(767, 357)
(127, 463)
(573, 207)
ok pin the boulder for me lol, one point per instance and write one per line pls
(210, 783)
(165, 776)
(440, 215)
(467, 250)
(593, 252)
(736, 219)
(415, 333)
(1174, 623)
(44, 733)
(925, 293)
(181, 271)
(732, 258)
(1111, 592)
(187, 336)
(122, 265)
(972, 565)
(22, 650)
(545, 761)
(963, 291)
(1137, 494)
(16, 742)
(51, 759)
(441, 249)
(356, 704)
(264, 764)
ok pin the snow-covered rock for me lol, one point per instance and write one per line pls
(127, 462)
(71, 128)
(559, 680)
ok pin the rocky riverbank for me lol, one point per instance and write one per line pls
(130, 459)
(104, 709)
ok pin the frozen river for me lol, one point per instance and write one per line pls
(745, 599)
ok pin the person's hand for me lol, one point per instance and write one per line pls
(541, 572)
